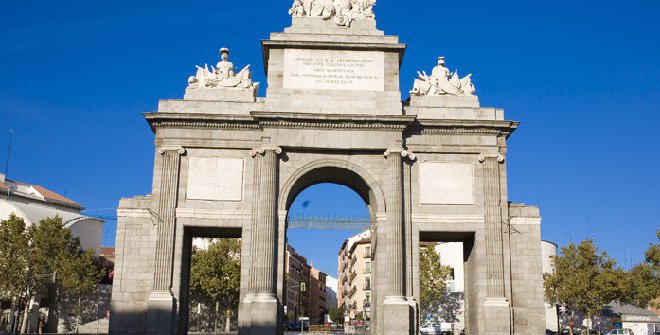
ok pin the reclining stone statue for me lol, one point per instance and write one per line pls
(222, 76)
(442, 82)
(343, 12)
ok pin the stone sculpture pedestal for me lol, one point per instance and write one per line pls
(444, 101)
(224, 94)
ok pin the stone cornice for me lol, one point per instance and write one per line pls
(408, 124)
(468, 127)
(333, 121)
(214, 121)
(397, 47)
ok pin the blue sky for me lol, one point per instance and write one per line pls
(582, 76)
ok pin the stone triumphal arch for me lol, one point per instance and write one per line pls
(228, 163)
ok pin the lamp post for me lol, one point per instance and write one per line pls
(302, 288)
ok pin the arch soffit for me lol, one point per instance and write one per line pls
(371, 183)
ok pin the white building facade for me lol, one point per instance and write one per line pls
(33, 203)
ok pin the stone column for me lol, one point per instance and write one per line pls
(261, 298)
(160, 317)
(396, 309)
(496, 305)
(407, 224)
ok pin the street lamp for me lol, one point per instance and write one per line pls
(303, 288)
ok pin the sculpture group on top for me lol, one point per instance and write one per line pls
(343, 12)
(442, 82)
(222, 75)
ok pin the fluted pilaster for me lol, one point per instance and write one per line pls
(169, 185)
(493, 218)
(395, 239)
(265, 216)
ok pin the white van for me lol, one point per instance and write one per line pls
(624, 331)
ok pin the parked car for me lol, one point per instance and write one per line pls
(437, 328)
(623, 331)
(293, 326)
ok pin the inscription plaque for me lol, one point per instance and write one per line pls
(442, 183)
(215, 178)
(334, 70)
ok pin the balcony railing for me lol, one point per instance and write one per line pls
(352, 276)
(353, 290)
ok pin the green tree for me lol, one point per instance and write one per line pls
(432, 281)
(215, 275)
(644, 279)
(80, 277)
(336, 315)
(15, 267)
(584, 279)
(41, 257)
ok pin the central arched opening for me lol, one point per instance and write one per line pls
(328, 264)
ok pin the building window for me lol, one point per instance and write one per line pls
(367, 283)
(367, 297)
(367, 251)
(367, 266)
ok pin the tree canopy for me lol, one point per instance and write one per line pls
(644, 278)
(34, 258)
(215, 274)
(584, 279)
(432, 281)
(336, 315)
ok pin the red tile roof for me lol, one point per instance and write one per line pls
(107, 251)
(50, 195)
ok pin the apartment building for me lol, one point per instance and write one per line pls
(354, 287)
(317, 296)
(309, 302)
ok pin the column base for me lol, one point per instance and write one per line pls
(262, 309)
(160, 313)
(497, 313)
(414, 314)
(397, 316)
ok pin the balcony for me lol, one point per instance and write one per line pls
(353, 290)
(352, 276)
(353, 260)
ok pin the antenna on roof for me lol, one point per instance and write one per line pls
(9, 150)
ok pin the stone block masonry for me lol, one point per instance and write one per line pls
(230, 164)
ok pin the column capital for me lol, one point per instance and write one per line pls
(180, 150)
(403, 152)
(262, 149)
(482, 157)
